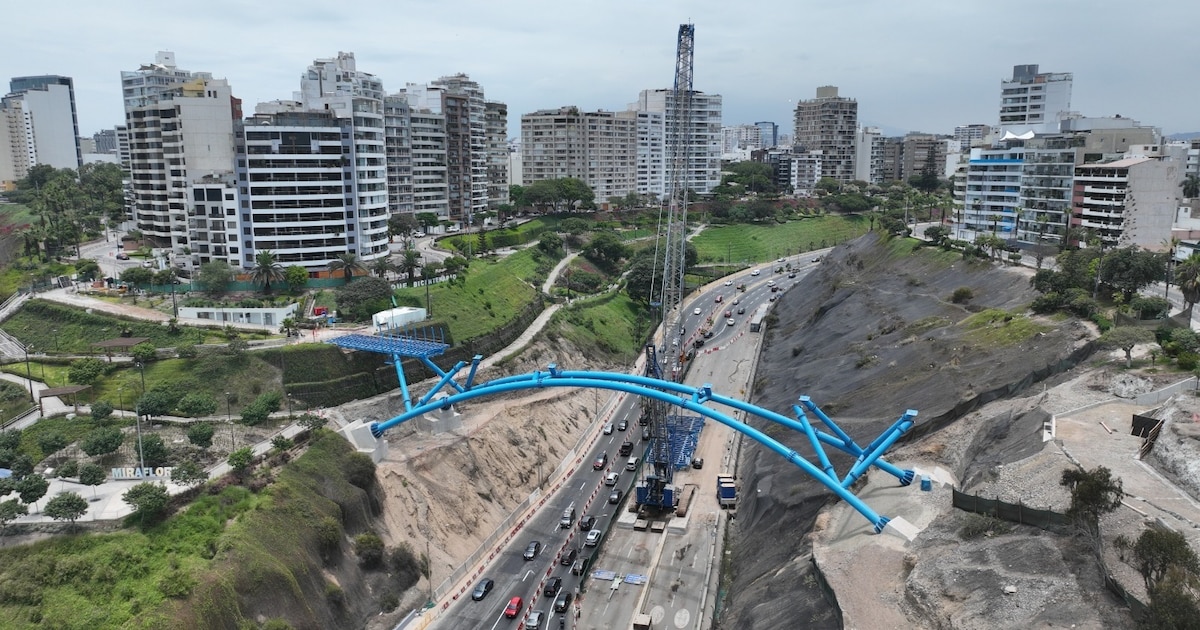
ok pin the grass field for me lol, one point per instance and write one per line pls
(492, 293)
(750, 244)
(612, 325)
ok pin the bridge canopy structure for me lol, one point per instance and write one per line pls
(694, 401)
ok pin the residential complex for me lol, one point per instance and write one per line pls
(1132, 201)
(829, 124)
(39, 124)
(1033, 101)
(703, 170)
(600, 148)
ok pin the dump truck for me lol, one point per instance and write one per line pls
(726, 491)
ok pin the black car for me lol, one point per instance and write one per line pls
(698, 463)
(614, 497)
(626, 448)
(622, 425)
(563, 602)
(482, 589)
(586, 523)
(742, 310)
(552, 586)
(532, 550)
(600, 462)
(569, 556)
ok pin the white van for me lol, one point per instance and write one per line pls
(631, 464)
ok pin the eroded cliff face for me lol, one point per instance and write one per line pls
(870, 334)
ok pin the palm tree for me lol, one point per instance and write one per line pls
(1191, 187)
(1187, 276)
(348, 264)
(409, 264)
(266, 269)
(381, 266)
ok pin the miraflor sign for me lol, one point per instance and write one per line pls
(162, 472)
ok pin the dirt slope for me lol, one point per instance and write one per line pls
(872, 333)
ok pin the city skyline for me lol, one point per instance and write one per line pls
(924, 66)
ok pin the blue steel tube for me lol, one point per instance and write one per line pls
(905, 476)
(851, 445)
(447, 378)
(542, 380)
(403, 381)
(816, 444)
(884, 442)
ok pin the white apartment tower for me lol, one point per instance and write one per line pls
(599, 148)
(337, 86)
(868, 155)
(38, 125)
(179, 126)
(496, 132)
(703, 171)
(1033, 101)
(651, 154)
(397, 132)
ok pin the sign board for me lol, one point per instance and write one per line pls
(162, 472)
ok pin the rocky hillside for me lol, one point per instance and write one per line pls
(873, 332)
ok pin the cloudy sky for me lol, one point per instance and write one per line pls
(918, 65)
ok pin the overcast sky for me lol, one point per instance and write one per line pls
(918, 65)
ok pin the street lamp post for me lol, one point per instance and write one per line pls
(29, 375)
(141, 365)
(229, 419)
(138, 423)
(54, 331)
(121, 401)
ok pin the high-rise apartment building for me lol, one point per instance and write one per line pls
(868, 155)
(179, 125)
(599, 148)
(829, 123)
(336, 85)
(38, 125)
(651, 154)
(1131, 201)
(740, 137)
(397, 133)
(768, 134)
(970, 135)
(920, 151)
(496, 134)
(991, 197)
(703, 170)
(1033, 101)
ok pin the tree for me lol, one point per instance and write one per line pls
(10, 510)
(1093, 492)
(427, 220)
(201, 434)
(137, 275)
(101, 410)
(369, 549)
(296, 278)
(288, 327)
(21, 466)
(360, 299)
(1187, 278)
(455, 265)
(516, 194)
(87, 269)
(1128, 269)
(155, 403)
(92, 475)
(144, 352)
(381, 267)
(1191, 187)
(11, 439)
(409, 263)
(32, 487)
(937, 234)
(51, 442)
(148, 500)
(641, 279)
(550, 244)
(1126, 338)
(85, 371)
(197, 404)
(66, 506)
(312, 422)
(347, 263)
(606, 250)
(240, 460)
(402, 224)
(266, 269)
(165, 277)
(69, 468)
(215, 276)
(154, 451)
(102, 441)
(1157, 550)
(188, 473)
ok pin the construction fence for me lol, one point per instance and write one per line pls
(1015, 512)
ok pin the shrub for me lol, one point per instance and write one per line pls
(101, 410)
(176, 584)
(1046, 303)
(976, 525)
(360, 470)
(405, 566)
(329, 535)
(241, 459)
(281, 443)
(1150, 307)
(69, 468)
(201, 434)
(85, 371)
(186, 351)
(369, 549)
(102, 441)
(197, 404)
(154, 451)
(144, 352)
(962, 295)
(1187, 361)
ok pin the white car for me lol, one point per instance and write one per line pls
(770, 283)
(729, 283)
(729, 322)
(756, 272)
(780, 260)
(593, 538)
(608, 429)
(611, 478)
(695, 311)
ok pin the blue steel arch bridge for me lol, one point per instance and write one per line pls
(457, 384)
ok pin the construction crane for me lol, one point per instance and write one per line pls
(655, 489)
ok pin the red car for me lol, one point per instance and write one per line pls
(720, 298)
(514, 607)
(728, 313)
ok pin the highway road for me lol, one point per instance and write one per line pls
(632, 571)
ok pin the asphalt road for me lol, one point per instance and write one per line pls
(663, 575)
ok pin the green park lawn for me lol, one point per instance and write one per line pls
(750, 244)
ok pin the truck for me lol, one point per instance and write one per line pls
(641, 621)
(756, 322)
(726, 491)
